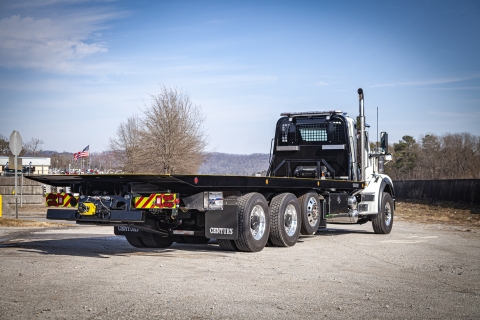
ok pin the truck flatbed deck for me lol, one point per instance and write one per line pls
(195, 183)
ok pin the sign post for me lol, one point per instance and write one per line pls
(15, 148)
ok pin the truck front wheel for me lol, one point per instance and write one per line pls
(311, 211)
(253, 222)
(383, 221)
(285, 220)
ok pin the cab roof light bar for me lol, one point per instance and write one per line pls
(310, 113)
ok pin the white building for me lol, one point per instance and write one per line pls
(39, 165)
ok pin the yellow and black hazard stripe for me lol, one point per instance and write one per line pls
(157, 201)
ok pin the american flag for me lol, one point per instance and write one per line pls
(82, 154)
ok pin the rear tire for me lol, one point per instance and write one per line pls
(383, 222)
(155, 241)
(284, 220)
(227, 245)
(135, 241)
(253, 222)
(311, 213)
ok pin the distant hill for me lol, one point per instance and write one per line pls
(239, 164)
(49, 153)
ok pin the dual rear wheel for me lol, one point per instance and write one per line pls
(285, 216)
(279, 224)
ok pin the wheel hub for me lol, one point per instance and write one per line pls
(257, 222)
(312, 211)
(388, 214)
(290, 220)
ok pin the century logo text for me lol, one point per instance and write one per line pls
(221, 230)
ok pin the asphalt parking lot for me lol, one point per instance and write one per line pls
(82, 272)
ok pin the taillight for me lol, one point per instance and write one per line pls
(51, 200)
(169, 200)
(168, 197)
(168, 204)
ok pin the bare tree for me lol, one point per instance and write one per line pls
(126, 145)
(167, 138)
(60, 161)
(430, 160)
(33, 147)
(106, 161)
(461, 155)
(4, 146)
(172, 135)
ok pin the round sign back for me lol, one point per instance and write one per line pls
(15, 143)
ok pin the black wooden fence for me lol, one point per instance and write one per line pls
(458, 190)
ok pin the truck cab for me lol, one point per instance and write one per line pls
(318, 145)
(330, 145)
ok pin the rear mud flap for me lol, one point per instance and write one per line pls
(222, 224)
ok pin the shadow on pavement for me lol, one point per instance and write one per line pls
(339, 231)
(101, 247)
(104, 246)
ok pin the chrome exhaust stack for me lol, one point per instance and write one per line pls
(363, 158)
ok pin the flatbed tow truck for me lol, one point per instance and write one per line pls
(321, 171)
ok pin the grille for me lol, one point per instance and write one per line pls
(313, 131)
(337, 131)
(285, 128)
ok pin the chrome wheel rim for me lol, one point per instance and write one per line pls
(312, 211)
(257, 222)
(290, 217)
(388, 214)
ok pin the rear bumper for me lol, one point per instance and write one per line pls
(116, 216)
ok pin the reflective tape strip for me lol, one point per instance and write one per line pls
(145, 202)
(66, 199)
(151, 201)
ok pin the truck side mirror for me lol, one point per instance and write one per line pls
(384, 142)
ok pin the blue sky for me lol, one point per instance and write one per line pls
(71, 71)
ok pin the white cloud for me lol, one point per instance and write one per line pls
(428, 82)
(53, 44)
(43, 3)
